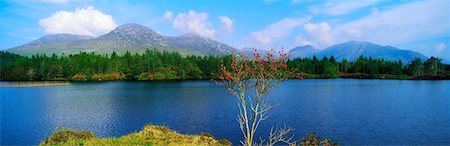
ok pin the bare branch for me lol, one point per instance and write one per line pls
(280, 134)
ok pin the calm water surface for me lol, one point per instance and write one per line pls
(349, 111)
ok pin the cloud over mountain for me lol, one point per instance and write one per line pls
(198, 23)
(275, 32)
(83, 21)
(319, 34)
(168, 16)
(227, 23)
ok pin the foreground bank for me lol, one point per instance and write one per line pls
(150, 135)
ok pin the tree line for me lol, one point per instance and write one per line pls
(364, 67)
(150, 65)
(156, 65)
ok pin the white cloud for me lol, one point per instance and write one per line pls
(227, 23)
(440, 47)
(275, 32)
(198, 23)
(318, 35)
(405, 23)
(195, 23)
(345, 7)
(82, 21)
(168, 16)
(300, 40)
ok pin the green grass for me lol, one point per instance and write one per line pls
(150, 135)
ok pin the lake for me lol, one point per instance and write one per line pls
(351, 111)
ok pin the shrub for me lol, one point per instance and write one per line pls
(63, 135)
(313, 140)
(79, 77)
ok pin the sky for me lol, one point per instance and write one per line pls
(422, 25)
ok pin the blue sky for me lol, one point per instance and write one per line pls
(422, 26)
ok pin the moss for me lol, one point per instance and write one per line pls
(150, 135)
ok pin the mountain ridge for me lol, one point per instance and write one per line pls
(351, 50)
(135, 38)
(129, 37)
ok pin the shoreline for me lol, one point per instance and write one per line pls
(68, 82)
(33, 83)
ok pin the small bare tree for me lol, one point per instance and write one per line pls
(278, 134)
(250, 80)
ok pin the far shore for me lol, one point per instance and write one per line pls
(63, 81)
(34, 83)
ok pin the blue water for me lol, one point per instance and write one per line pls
(374, 112)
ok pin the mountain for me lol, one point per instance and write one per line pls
(59, 38)
(303, 51)
(201, 44)
(247, 51)
(131, 37)
(136, 38)
(48, 43)
(353, 49)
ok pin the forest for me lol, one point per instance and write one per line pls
(156, 65)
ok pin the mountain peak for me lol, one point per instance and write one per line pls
(132, 32)
(304, 51)
(131, 25)
(133, 28)
(305, 47)
(359, 43)
(308, 46)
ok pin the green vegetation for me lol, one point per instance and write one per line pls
(151, 65)
(313, 140)
(370, 68)
(155, 65)
(150, 135)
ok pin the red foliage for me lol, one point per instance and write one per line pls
(269, 66)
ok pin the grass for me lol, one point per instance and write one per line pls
(150, 135)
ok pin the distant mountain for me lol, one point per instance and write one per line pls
(303, 51)
(247, 51)
(131, 37)
(353, 49)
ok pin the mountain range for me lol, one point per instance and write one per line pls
(353, 49)
(136, 38)
(130, 37)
